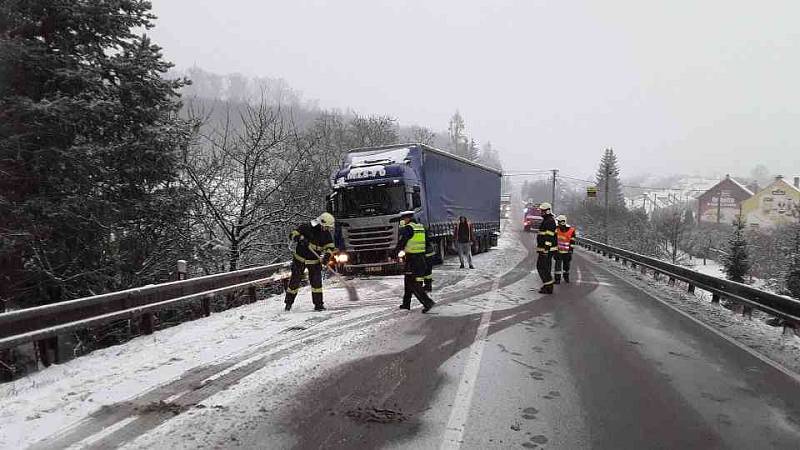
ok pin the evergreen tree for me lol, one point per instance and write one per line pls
(88, 139)
(458, 140)
(793, 274)
(737, 260)
(473, 152)
(608, 174)
(490, 157)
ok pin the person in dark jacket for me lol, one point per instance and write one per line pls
(464, 237)
(546, 248)
(411, 246)
(314, 246)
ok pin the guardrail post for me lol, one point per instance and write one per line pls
(747, 311)
(251, 293)
(7, 365)
(206, 304)
(790, 328)
(146, 323)
(715, 298)
(655, 275)
(625, 262)
(47, 350)
(671, 281)
(644, 270)
(691, 288)
(181, 269)
(633, 265)
(616, 258)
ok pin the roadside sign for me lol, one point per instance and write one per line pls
(591, 192)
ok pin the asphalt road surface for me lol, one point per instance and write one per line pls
(599, 364)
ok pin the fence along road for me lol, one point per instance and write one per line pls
(44, 324)
(748, 297)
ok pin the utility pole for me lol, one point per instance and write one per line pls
(553, 192)
(605, 198)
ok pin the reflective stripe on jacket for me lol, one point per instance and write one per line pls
(416, 244)
(546, 238)
(565, 239)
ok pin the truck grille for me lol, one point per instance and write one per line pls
(372, 238)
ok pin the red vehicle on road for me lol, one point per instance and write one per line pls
(531, 218)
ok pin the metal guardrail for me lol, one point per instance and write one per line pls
(43, 324)
(749, 297)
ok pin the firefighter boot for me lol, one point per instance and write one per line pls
(557, 278)
(566, 277)
(428, 286)
(549, 289)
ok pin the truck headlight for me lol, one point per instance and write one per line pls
(401, 253)
(342, 258)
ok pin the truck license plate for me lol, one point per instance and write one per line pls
(374, 269)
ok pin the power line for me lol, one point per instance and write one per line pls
(540, 172)
(638, 187)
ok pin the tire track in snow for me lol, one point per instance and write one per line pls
(198, 384)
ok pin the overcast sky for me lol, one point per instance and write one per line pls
(673, 86)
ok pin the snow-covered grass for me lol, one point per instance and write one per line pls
(61, 396)
(754, 333)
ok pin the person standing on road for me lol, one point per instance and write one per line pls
(546, 248)
(411, 245)
(565, 240)
(314, 247)
(464, 238)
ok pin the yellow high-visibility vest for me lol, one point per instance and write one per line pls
(417, 242)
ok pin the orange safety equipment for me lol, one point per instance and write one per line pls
(565, 239)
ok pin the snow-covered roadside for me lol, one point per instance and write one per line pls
(754, 333)
(60, 396)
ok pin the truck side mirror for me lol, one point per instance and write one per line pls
(416, 199)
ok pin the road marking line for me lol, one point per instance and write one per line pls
(774, 364)
(90, 440)
(172, 398)
(454, 432)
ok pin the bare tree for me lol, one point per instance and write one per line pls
(246, 179)
(670, 225)
(421, 135)
(368, 131)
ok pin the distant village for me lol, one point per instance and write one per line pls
(778, 203)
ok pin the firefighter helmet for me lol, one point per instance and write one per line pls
(561, 218)
(545, 206)
(326, 220)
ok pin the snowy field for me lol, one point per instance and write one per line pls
(253, 346)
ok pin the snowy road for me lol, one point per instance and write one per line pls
(600, 364)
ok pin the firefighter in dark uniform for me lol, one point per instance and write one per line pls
(314, 247)
(565, 239)
(430, 253)
(412, 245)
(546, 248)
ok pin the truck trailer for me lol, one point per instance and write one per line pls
(373, 185)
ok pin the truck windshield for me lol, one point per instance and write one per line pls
(369, 200)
